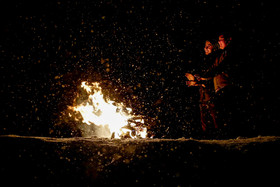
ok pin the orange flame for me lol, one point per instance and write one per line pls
(95, 110)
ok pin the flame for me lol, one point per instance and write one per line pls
(106, 113)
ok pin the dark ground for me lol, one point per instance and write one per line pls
(42, 161)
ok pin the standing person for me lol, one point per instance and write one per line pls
(206, 91)
(207, 107)
(221, 73)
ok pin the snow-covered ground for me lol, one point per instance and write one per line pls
(150, 162)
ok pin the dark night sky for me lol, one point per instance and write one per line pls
(139, 48)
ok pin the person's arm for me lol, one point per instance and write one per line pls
(222, 64)
(199, 78)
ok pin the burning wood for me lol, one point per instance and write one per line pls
(112, 119)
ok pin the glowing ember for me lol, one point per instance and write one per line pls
(106, 113)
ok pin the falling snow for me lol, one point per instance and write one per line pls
(138, 52)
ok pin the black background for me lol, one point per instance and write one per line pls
(139, 51)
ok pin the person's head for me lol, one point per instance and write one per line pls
(223, 41)
(208, 48)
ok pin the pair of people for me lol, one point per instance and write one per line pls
(214, 84)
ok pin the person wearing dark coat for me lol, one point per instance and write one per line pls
(206, 90)
(224, 98)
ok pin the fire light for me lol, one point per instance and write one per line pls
(95, 110)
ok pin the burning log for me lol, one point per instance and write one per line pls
(114, 120)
